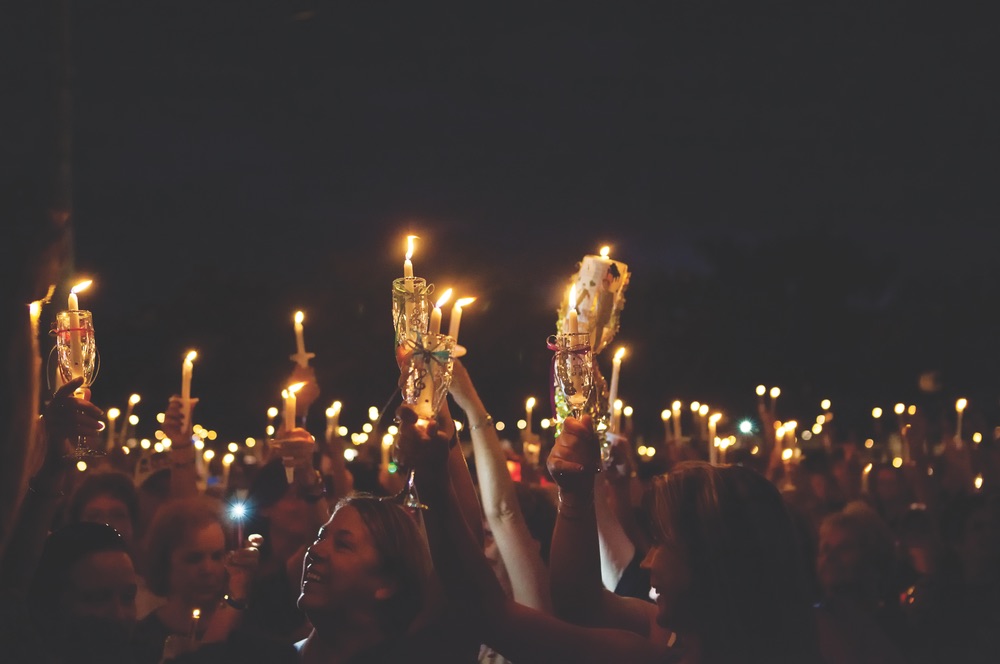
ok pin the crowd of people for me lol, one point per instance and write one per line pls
(811, 557)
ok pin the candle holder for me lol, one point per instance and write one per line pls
(411, 308)
(573, 369)
(426, 363)
(76, 355)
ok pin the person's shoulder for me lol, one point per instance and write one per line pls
(242, 649)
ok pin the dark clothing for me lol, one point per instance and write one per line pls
(148, 638)
(634, 581)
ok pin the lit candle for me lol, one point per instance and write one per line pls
(289, 397)
(407, 263)
(332, 420)
(186, 370)
(864, 478)
(113, 414)
(529, 405)
(665, 417)
(676, 408)
(775, 391)
(456, 316)
(386, 448)
(616, 415)
(435, 325)
(761, 391)
(959, 409)
(712, 429)
(75, 343)
(227, 461)
(572, 317)
(616, 367)
(301, 357)
(195, 619)
(132, 401)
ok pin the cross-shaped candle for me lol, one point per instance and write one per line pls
(301, 357)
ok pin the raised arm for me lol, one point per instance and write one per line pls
(519, 633)
(183, 469)
(578, 593)
(528, 575)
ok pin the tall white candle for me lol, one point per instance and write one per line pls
(572, 317)
(332, 420)
(75, 342)
(408, 282)
(616, 367)
(456, 316)
(435, 324)
(186, 370)
(713, 450)
(132, 401)
(676, 409)
(529, 406)
(301, 357)
(386, 449)
(290, 404)
(959, 409)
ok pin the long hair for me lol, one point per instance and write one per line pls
(403, 556)
(749, 600)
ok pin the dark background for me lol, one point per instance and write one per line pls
(805, 194)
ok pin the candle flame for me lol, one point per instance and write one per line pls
(703, 410)
(272, 412)
(82, 286)
(134, 399)
(961, 404)
(191, 355)
(443, 299)
(299, 317)
(35, 310)
(113, 413)
(775, 392)
(572, 296)
(228, 459)
(620, 353)
(761, 390)
(665, 414)
(786, 454)
(292, 389)
(409, 246)
(530, 403)
(605, 251)
(899, 408)
(868, 469)
(676, 405)
(464, 302)
(715, 417)
(196, 613)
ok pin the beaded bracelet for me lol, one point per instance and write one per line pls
(487, 422)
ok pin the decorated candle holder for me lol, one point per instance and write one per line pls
(411, 308)
(600, 285)
(573, 369)
(426, 362)
(76, 356)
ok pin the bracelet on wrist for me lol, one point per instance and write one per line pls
(486, 422)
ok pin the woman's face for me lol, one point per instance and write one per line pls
(107, 509)
(197, 566)
(342, 568)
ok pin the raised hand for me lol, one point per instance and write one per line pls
(67, 417)
(576, 456)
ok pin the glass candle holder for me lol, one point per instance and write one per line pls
(410, 307)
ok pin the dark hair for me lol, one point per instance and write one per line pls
(171, 522)
(749, 598)
(116, 484)
(403, 553)
(64, 548)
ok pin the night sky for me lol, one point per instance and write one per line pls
(806, 196)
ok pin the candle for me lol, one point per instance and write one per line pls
(113, 414)
(959, 409)
(435, 325)
(665, 417)
(761, 391)
(712, 442)
(195, 619)
(186, 369)
(132, 401)
(386, 448)
(616, 415)
(289, 396)
(864, 478)
(407, 263)
(676, 408)
(227, 461)
(75, 343)
(616, 367)
(332, 420)
(456, 316)
(572, 317)
(775, 391)
(529, 405)
(301, 357)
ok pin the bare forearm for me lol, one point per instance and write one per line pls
(575, 559)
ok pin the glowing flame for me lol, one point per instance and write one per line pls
(82, 286)
(464, 302)
(775, 392)
(409, 246)
(292, 389)
(530, 403)
(761, 390)
(961, 404)
(445, 296)
(572, 296)
(299, 317)
(191, 355)
(134, 399)
(620, 354)
(605, 251)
